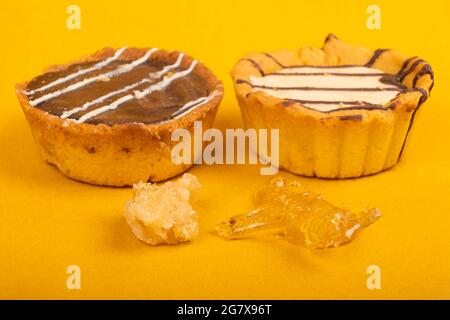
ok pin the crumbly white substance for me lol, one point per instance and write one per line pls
(161, 213)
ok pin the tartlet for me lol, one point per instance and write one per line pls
(107, 118)
(317, 98)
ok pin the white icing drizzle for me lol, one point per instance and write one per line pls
(194, 104)
(71, 76)
(166, 69)
(119, 70)
(165, 82)
(138, 94)
(153, 75)
(336, 87)
(86, 105)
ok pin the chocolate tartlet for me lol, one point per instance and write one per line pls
(107, 119)
(343, 111)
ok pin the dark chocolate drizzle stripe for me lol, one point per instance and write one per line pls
(351, 103)
(405, 72)
(256, 65)
(421, 101)
(242, 81)
(321, 67)
(407, 132)
(328, 74)
(424, 95)
(315, 88)
(275, 60)
(421, 90)
(330, 36)
(353, 106)
(391, 80)
(426, 70)
(400, 73)
(375, 57)
(353, 117)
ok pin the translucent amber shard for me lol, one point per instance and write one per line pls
(161, 213)
(302, 216)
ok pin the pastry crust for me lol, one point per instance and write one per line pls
(122, 154)
(343, 143)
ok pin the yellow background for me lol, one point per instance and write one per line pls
(48, 222)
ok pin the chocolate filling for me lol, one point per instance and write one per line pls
(162, 102)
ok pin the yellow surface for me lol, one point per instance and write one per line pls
(49, 222)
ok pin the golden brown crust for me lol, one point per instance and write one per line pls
(122, 154)
(330, 146)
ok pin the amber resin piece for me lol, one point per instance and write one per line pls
(302, 216)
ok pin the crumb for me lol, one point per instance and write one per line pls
(161, 213)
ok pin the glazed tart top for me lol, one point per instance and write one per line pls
(338, 77)
(124, 86)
